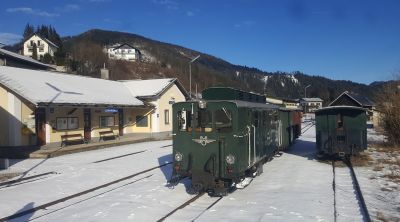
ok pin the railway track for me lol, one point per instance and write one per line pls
(307, 127)
(362, 207)
(125, 155)
(117, 157)
(187, 203)
(52, 203)
(24, 180)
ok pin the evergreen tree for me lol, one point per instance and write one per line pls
(28, 31)
(34, 52)
(47, 58)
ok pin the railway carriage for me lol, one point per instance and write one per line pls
(341, 130)
(285, 128)
(225, 137)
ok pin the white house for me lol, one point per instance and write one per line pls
(123, 52)
(43, 46)
(311, 104)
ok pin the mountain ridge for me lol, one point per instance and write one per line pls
(170, 60)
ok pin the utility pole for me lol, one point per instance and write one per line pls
(305, 91)
(190, 75)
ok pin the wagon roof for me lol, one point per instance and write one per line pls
(240, 103)
(339, 107)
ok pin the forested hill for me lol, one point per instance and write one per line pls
(168, 60)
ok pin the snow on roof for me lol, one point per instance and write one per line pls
(21, 57)
(362, 100)
(43, 38)
(340, 107)
(312, 99)
(147, 88)
(43, 88)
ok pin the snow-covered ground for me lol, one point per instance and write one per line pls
(293, 187)
(380, 180)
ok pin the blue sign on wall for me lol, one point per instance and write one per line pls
(111, 110)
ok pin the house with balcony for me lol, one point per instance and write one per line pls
(43, 46)
(123, 52)
(311, 104)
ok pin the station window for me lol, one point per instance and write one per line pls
(223, 120)
(107, 121)
(204, 121)
(67, 123)
(142, 121)
(184, 121)
(166, 116)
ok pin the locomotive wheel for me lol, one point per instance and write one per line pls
(198, 187)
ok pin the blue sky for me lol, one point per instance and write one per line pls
(350, 40)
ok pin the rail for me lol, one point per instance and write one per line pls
(46, 205)
(359, 195)
(188, 202)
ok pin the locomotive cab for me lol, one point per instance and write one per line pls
(202, 134)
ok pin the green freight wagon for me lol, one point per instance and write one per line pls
(341, 130)
(285, 128)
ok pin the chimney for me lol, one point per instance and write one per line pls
(104, 73)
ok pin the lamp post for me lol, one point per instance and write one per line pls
(305, 90)
(305, 96)
(190, 76)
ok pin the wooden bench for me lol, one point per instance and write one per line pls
(107, 134)
(71, 138)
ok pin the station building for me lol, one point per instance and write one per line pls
(39, 107)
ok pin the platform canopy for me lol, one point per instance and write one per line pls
(43, 88)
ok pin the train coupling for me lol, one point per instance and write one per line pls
(175, 178)
(244, 183)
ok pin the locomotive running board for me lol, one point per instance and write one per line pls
(244, 183)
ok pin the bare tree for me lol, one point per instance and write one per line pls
(389, 106)
(88, 58)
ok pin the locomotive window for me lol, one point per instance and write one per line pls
(184, 121)
(204, 121)
(223, 120)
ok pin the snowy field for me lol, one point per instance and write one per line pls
(293, 187)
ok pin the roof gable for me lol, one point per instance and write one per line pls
(125, 46)
(348, 98)
(44, 39)
(151, 87)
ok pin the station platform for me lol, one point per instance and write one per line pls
(53, 151)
